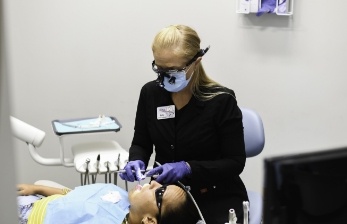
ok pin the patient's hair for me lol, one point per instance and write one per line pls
(184, 213)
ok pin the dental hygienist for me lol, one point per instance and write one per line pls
(194, 125)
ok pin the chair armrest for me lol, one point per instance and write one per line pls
(50, 183)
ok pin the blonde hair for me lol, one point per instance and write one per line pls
(185, 43)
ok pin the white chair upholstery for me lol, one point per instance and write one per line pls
(254, 144)
(49, 183)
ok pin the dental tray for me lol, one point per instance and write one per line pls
(86, 125)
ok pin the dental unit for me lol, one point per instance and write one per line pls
(89, 158)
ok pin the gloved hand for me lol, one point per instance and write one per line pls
(133, 171)
(170, 172)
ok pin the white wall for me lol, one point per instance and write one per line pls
(82, 58)
(8, 211)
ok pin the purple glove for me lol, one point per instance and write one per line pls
(267, 6)
(170, 172)
(133, 171)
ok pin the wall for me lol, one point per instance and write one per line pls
(82, 58)
(8, 211)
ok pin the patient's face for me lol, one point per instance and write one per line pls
(142, 199)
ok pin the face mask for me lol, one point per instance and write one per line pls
(179, 81)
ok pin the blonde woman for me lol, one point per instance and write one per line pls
(193, 123)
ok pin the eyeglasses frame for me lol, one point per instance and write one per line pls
(159, 192)
(162, 73)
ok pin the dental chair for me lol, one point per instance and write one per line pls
(254, 144)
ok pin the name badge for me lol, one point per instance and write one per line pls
(166, 112)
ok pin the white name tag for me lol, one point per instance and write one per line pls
(166, 112)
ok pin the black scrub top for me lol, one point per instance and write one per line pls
(206, 134)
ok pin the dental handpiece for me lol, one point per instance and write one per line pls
(97, 168)
(232, 217)
(97, 163)
(245, 212)
(107, 165)
(118, 162)
(87, 164)
(87, 170)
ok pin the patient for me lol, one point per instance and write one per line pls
(106, 203)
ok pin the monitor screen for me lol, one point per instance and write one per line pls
(306, 188)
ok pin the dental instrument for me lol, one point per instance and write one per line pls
(118, 162)
(86, 173)
(100, 120)
(232, 217)
(118, 168)
(97, 163)
(155, 175)
(97, 168)
(107, 165)
(245, 212)
(124, 171)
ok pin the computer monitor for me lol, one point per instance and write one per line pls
(306, 188)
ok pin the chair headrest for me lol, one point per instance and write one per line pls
(253, 132)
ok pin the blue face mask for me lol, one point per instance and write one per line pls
(176, 82)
